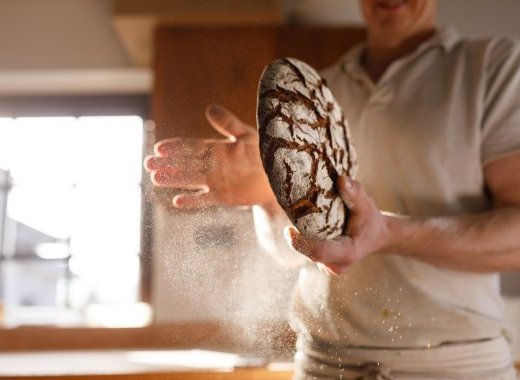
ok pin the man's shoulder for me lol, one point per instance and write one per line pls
(494, 47)
(331, 72)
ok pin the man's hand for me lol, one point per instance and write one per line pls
(225, 171)
(367, 232)
(485, 241)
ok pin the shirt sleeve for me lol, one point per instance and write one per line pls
(501, 118)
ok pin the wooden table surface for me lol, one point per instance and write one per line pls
(138, 364)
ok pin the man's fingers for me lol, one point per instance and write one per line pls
(194, 201)
(174, 163)
(226, 123)
(348, 190)
(179, 180)
(186, 146)
(353, 195)
(331, 269)
(298, 242)
(192, 155)
(152, 163)
(146, 163)
(334, 253)
(167, 146)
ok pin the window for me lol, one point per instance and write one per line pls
(70, 220)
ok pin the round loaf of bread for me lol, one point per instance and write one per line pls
(305, 145)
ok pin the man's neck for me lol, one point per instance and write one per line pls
(381, 52)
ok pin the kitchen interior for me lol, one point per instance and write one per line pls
(99, 275)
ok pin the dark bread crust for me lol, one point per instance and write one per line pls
(305, 145)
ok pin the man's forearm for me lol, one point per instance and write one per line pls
(484, 242)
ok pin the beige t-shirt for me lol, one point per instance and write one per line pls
(422, 134)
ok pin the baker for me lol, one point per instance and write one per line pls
(412, 290)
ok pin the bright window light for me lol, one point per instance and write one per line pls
(73, 209)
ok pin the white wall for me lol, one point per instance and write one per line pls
(481, 17)
(64, 47)
(58, 34)
(470, 17)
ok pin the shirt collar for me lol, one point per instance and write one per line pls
(446, 38)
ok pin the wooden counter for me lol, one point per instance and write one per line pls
(204, 335)
(138, 364)
(249, 374)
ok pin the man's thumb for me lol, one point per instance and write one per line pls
(347, 189)
(226, 123)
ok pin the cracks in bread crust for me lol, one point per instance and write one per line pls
(305, 145)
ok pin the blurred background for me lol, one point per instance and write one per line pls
(91, 257)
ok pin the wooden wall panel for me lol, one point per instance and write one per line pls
(198, 66)
(318, 46)
(195, 66)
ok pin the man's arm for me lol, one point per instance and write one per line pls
(482, 242)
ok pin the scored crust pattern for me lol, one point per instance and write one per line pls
(305, 144)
